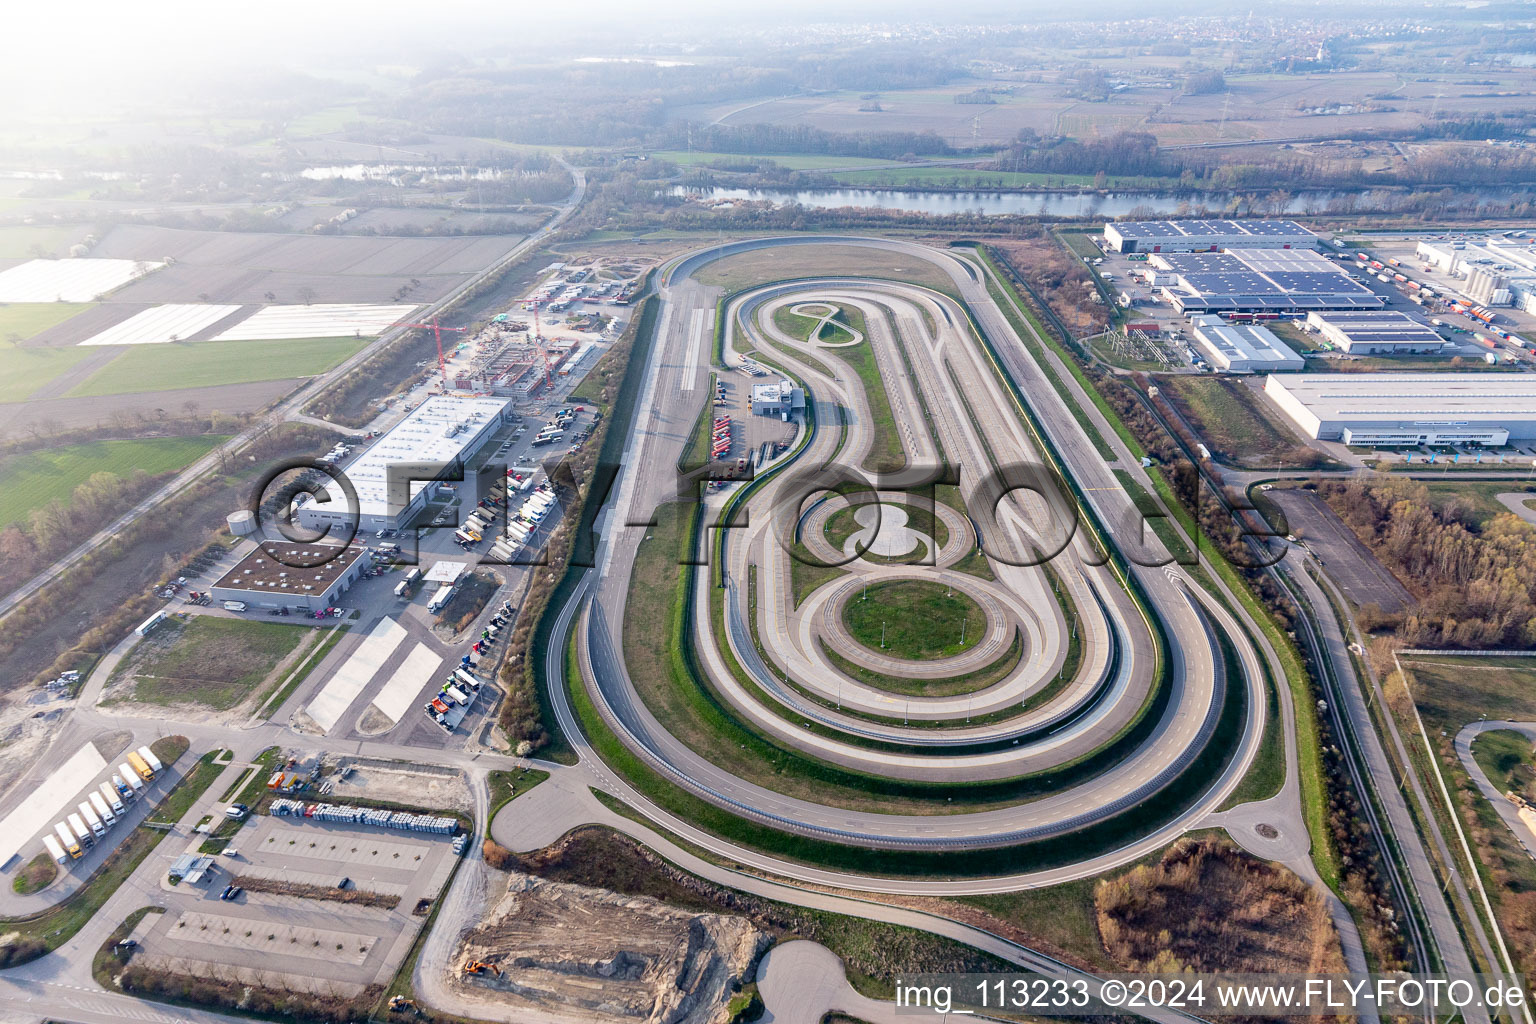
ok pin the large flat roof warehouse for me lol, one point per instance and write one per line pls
(1409, 408)
(1241, 348)
(162, 324)
(329, 320)
(1258, 280)
(72, 280)
(439, 431)
(1189, 235)
(1379, 331)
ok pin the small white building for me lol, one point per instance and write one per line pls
(781, 399)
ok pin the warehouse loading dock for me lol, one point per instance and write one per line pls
(1406, 409)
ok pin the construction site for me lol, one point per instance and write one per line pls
(592, 953)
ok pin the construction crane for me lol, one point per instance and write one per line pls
(538, 346)
(437, 331)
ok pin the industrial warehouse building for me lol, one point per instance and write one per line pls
(1395, 409)
(392, 478)
(1494, 271)
(1243, 348)
(1380, 332)
(304, 576)
(1206, 235)
(1257, 281)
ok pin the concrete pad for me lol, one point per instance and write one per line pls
(285, 938)
(49, 802)
(331, 703)
(395, 698)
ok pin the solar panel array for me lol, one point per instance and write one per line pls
(1264, 279)
(1154, 229)
(1377, 327)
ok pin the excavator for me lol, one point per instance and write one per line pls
(481, 967)
(400, 1004)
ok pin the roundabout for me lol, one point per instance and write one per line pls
(1069, 689)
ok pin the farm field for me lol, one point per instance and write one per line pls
(19, 241)
(209, 363)
(21, 320)
(253, 268)
(78, 280)
(333, 320)
(32, 480)
(161, 325)
(24, 370)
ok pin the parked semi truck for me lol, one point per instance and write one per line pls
(103, 810)
(468, 678)
(141, 768)
(150, 759)
(131, 776)
(457, 695)
(67, 840)
(55, 850)
(82, 833)
(113, 798)
(89, 814)
(123, 789)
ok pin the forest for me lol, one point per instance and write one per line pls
(1476, 586)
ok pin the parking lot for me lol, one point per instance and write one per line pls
(297, 942)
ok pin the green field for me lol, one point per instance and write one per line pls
(32, 480)
(24, 370)
(1452, 691)
(1505, 757)
(794, 162)
(210, 661)
(21, 320)
(1475, 501)
(209, 363)
(1234, 423)
(918, 620)
(24, 242)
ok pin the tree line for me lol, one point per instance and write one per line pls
(1476, 585)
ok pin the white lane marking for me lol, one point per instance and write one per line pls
(696, 327)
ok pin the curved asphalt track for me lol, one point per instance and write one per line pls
(672, 395)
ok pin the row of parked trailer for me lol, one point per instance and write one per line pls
(102, 807)
(524, 523)
(720, 440)
(403, 821)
